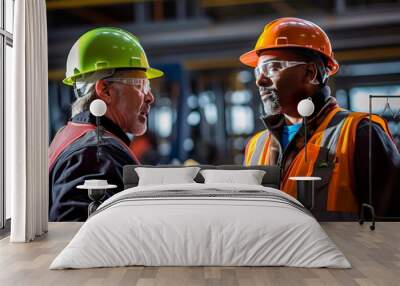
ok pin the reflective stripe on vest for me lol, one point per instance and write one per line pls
(65, 137)
(72, 132)
(260, 145)
(326, 158)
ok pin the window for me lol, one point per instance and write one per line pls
(366, 69)
(359, 99)
(6, 43)
(9, 15)
(239, 113)
(241, 118)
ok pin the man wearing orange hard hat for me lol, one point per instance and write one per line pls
(293, 61)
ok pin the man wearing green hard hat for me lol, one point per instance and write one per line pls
(109, 71)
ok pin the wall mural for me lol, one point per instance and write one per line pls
(115, 108)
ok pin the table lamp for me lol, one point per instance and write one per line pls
(98, 108)
(305, 108)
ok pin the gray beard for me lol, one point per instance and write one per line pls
(271, 103)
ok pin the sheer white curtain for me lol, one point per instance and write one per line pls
(26, 123)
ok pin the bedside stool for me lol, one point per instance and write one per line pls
(305, 190)
(96, 194)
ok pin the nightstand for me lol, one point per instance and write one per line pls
(306, 190)
(96, 192)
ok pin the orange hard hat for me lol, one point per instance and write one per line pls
(292, 33)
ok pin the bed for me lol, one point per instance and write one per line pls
(201, 224)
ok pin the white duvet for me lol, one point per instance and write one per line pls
(183, 231)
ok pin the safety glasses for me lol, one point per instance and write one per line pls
(273, 68)
(142, 84)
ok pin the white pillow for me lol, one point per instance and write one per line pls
(163, 176)
(248, 177)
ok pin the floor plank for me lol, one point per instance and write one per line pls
(374, 255)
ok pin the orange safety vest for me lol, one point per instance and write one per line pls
(330, 153)
(72, 132)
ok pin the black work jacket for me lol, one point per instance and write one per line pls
(83, 160)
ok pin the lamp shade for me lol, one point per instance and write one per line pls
(98, 107)
(305, 107)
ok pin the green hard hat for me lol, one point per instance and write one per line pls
(106, 48)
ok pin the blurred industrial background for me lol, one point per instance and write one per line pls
(207, 105)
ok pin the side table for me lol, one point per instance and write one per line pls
(306, 190)
(96, 194)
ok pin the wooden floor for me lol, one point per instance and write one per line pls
(374, 255)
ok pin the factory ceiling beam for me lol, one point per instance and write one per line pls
(70, 4)
(222, 3)
(92, 16)
(209, 60)
(283, 8)
(176, 41)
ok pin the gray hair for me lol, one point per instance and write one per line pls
(82, 103)
(85, 92)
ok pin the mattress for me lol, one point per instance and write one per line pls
(201, 225)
